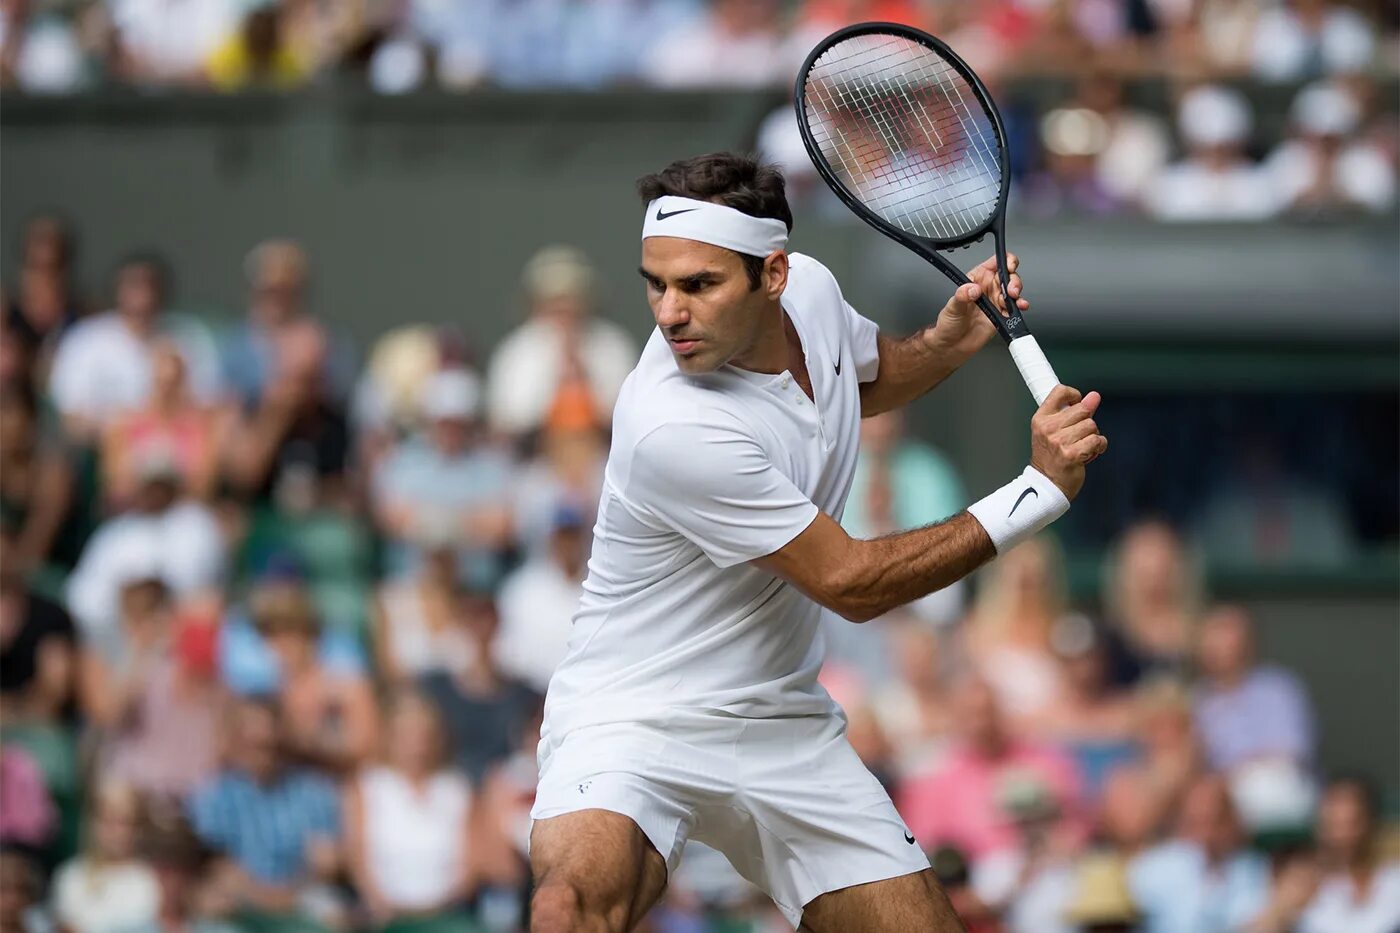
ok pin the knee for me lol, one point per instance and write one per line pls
(556, 907)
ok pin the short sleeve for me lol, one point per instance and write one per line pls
(715, 485)
(865, 345)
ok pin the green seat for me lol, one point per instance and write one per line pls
(442, 923)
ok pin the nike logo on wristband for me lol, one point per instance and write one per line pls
(1030, 491)
(662, 215)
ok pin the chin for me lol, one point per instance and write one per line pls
(697, 364)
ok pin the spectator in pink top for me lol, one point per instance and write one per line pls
(992, 788)
(27, 814)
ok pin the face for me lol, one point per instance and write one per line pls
(701, 299)
(1226, 647)
(416, 739)
(1208, 817)
(450, 435)
(1152, 564)
(880, 435)
(254, 739)
(980, 716)
(1344, 821)
(1129, 809)
(138, 291)
(168, 369)
(115, 825)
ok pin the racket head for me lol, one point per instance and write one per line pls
(906, 134)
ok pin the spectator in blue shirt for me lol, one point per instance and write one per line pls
(1202, 881)
(276, 826)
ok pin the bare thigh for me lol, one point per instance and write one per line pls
(594, 872)
(911, 903)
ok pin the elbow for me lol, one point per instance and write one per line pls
(850, 595)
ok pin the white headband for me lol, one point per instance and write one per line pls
(715, 224)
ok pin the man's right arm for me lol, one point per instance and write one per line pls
(864, 579)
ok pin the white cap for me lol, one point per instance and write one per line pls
(1211, 115)
(1324, 109)
(452, 393)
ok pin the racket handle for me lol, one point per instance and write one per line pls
(1034, 367)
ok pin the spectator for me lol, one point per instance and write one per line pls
(165, 42)
(248, 666)
(1131, 811)
(164, 535)
(292, 446)
(992, 787)
(409, 822)
(39, 54)
(278, 275)
(1360, 891)
(20, 886)
(1010, 625)
(1215, 181)
(257, 55)
(916, 708)
(150, 694)
(1304, 39)
(562, 352)
(103, 364)
(1171, 753)
(483, 709)
(567, 469)
(108, 889)
(329, 717)
(45, 304)
(171, 424)
(37, 645)
(189, 898)
(276, 827)
(1255, 721)
(1101, 901)
(899, 483)
(447, 484)
(386, 399)
(1152, 596)
(538, 602)
(36, 480)
(1323, 166)
(416, 628)
(27, 814)
(1203, 880)
(735, 43)
(1091, 719)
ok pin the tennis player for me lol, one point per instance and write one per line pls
(688, 705)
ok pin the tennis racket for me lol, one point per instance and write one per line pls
(908, 137)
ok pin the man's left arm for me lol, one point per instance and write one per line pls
(911, 366)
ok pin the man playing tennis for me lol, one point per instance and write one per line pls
(688, 705)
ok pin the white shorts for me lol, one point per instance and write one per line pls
(787, 801)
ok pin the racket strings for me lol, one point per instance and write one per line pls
(907, 134)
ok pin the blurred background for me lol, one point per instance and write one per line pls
(314, 315)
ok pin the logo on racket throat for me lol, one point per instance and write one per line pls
(1030, 491)
(662, 215)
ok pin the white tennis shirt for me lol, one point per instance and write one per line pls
(705, 474)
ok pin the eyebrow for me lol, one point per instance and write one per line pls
(695, 278)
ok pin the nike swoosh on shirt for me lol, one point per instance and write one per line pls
(1030, 491)
(909, 839)
(838, 364)
(662, 215)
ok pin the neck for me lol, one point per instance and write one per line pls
(769, 351)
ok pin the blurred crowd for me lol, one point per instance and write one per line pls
(1083, 142)
(275, 625)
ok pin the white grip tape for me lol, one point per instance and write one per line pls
(1034, 367)
(1020, 509)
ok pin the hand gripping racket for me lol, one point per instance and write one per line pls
(907, 136)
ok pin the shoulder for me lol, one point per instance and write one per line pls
(1274, 678)
(809, 280)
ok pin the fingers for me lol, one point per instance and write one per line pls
(1062, 396)
(1077, 431)
(1088, 449)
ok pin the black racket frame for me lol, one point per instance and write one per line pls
(1011, 324)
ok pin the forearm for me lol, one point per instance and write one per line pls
(908, 369)
(888, 572)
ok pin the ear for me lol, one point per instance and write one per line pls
(775, 274)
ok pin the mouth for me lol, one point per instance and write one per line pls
(683, 346)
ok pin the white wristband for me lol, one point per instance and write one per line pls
(1019, 509)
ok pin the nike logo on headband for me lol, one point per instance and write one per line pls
(1030, 491)
(662, 215)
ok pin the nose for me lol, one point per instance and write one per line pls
(671, 311)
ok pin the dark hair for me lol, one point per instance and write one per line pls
(737, 181)
(152, 263)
